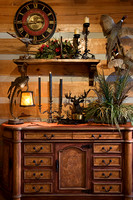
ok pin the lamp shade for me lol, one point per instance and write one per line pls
(26, 99)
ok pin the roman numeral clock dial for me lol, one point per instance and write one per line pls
(35, 20)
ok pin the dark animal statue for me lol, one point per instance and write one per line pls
(76, 102)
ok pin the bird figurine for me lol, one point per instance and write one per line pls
(112, 31)
(18, 83)
(119, 42)
(25, 40)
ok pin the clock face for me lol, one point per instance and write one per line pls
(35, 20)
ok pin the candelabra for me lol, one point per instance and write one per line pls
(50, 112)
(86, 54)
(76, 44)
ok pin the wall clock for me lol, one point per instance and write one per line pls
(35, 20)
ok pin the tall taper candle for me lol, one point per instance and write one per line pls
(60, 93)
(61, 46)
(50, 86)
(39, 90)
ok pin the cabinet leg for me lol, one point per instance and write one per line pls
(128, 166)
(17, 166)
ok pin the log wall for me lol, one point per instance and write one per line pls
(70, 15)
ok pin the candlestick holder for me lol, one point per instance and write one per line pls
(60, 116)
(86, 54)
(50, 112)
(76, 44)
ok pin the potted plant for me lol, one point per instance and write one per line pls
(109, 108)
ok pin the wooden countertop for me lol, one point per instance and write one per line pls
(55, 126)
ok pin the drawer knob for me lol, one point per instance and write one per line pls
(37, 164)
(95, 136)
(49, 137)
(34, 174)
(34, 188)
(103, 161)
(110, 174)
(106, 189)
(38, 149)
(108, 150)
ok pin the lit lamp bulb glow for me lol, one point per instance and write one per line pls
(22, 85)
(26, 99)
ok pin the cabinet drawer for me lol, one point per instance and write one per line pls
(107, 174)
(38, 188)
(38, 161)
(96, 135)
(107, 188)
(38, 174)
(107, 148)
(38, 148)
(107, 161)
(47, 135)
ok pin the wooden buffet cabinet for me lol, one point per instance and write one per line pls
(44, 161)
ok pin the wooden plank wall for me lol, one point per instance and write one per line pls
(70, 15)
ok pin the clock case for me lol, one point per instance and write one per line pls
(29, 10)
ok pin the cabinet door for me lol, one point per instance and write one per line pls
(7, 165)
(73, 167)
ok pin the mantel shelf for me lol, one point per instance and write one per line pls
(66, 66)
(43, 61)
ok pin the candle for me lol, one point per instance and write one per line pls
(61, 46)
(86, 20)
(50, 86)
(76, 31)
(60, 93)
(39, 90)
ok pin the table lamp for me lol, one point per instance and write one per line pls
(26, 98)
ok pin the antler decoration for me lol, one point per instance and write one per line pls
(76, 101)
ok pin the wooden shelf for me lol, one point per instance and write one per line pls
(43, 61)
(75, 67)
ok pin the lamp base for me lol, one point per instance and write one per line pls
(15, 121)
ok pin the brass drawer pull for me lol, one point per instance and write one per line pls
(97, 137)
(103, 161)
(34, 174)
(37, 164)
(110, 174)
(38, 149)
(103, 148)
(50, 137)
(107, 190)
(34, 188)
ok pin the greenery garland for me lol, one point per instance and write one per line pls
(52, 49)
